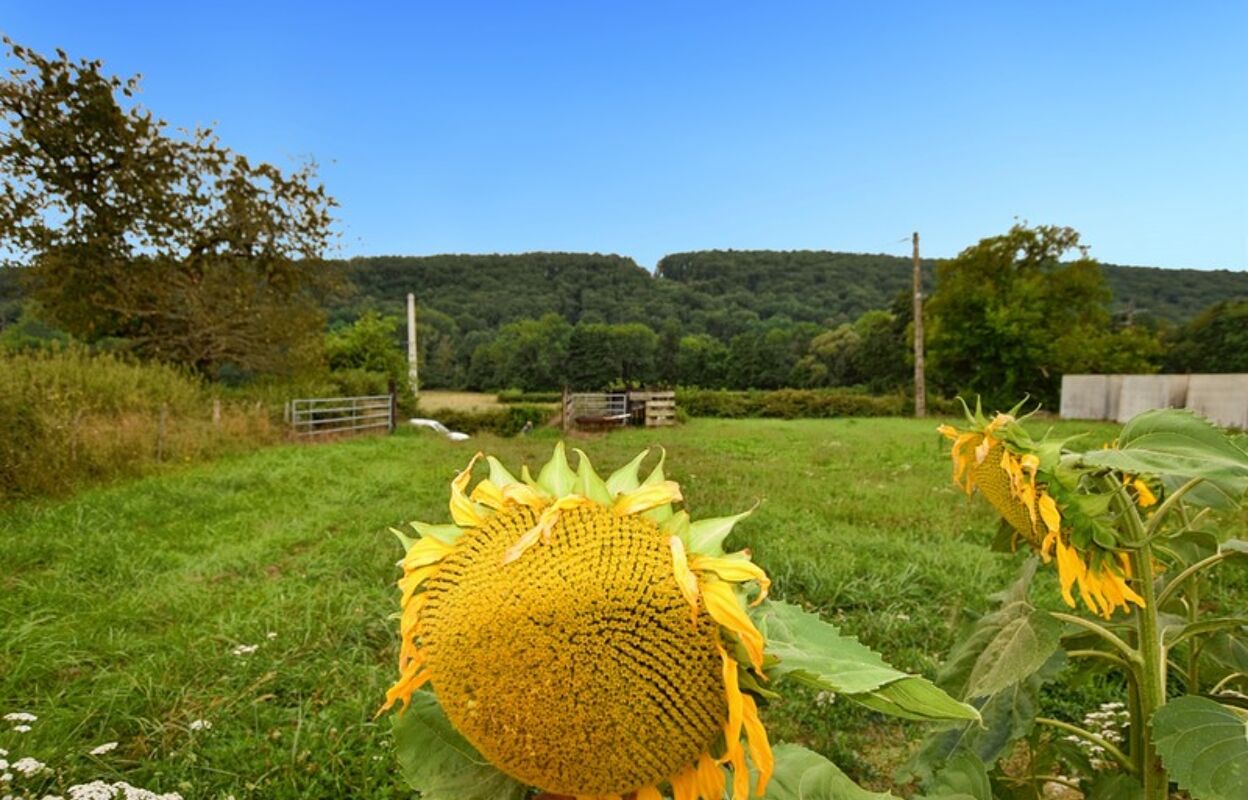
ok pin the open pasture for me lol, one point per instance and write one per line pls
(252, 595)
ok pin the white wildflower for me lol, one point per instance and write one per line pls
(95, 790)
(20, 716)
(246, 649)
(104, 748)
(3, 764)
(200, 725)
(271, 635)
(21, 728)
(28, 766)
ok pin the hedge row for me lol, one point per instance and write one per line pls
(504, 421)
(517, 396)
(800, 403)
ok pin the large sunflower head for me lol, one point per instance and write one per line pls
(586, 638)
(1021, 479)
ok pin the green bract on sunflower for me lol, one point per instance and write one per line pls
(582, 637)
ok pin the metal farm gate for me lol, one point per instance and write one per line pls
(315, 416)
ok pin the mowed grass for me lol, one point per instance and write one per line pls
(121, 609)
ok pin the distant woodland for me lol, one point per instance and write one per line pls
(715, 319)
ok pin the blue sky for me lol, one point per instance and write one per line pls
(646, 128)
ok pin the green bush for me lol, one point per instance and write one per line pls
(503, 422)
(72, 417)
(518, 396)
(790, 403)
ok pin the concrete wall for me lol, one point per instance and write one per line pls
(1221, 398)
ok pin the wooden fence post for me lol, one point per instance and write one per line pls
(394, 403)
(216, 413)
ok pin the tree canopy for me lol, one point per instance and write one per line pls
(182, 248)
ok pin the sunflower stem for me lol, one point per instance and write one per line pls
(1151, 667)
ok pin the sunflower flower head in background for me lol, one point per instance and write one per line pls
(1047, 504)
(578, 636)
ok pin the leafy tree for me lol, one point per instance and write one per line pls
(184, 248)
(372, 344)
(702, 360)
(529, 355)
(1009, 316)
(1215, 341)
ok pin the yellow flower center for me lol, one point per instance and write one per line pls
(574, 668)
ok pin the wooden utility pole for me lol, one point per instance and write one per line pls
(413, 371)
(920, 380)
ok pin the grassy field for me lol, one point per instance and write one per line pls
(252, 593)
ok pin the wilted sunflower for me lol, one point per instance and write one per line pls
(1017, 476)
(577, 641)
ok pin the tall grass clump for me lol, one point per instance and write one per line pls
(73, 417)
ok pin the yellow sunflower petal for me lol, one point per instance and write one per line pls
(488, 494)
(649, 793)
(685, 784)
(524, 495)
(722, 604)
(464, 511)
(1146, 496)
(685, 579)
(740, 774)
(732, 691)
(426, 551)
(1049, 513)
(760, 748)
(545, 524)
(647, 497)
(710, 778)
(735, 570)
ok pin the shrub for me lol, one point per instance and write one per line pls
(73, 417)
(517, 396)
(503, 422)
(790, 403)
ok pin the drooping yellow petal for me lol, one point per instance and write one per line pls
(545, 524)
(1146, 496)
(740, 774)
(647, 497)
(1069, 569)
(401, 692)
(732, 692)
(426, 551)
(735, 570)
(463, 511)
(1048, 512)
(685, 784)
(649, 793)
(722, 604)
(685, 579)
(411, 581)
(488, 495)
(710, 778)
(760, 748)
(525, 495)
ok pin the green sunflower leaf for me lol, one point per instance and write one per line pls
(1204, 747)
(802, 774)
(814, 653)
(500, 476)
(964, 777)
(1177, 443)
(440, 764)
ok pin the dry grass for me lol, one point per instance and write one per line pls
(439, 400)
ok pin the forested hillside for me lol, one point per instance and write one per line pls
(713, 291)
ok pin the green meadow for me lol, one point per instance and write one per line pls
(228, 624)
